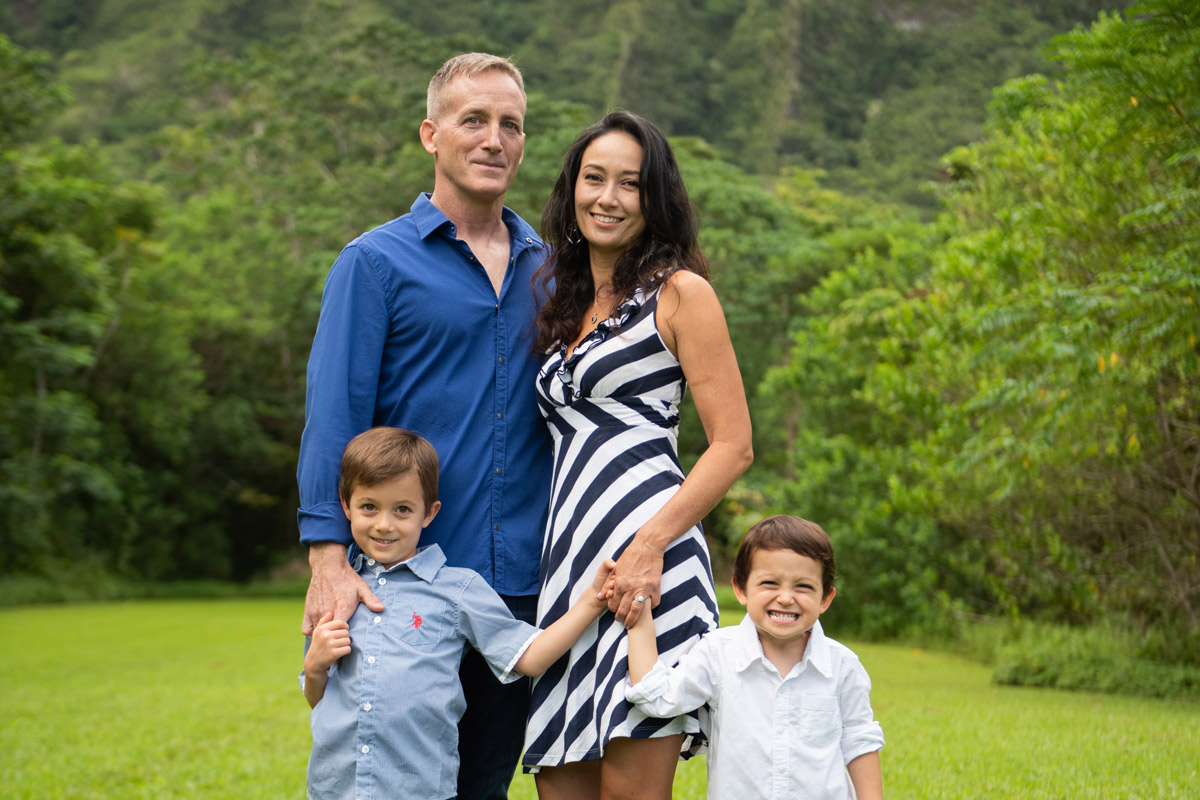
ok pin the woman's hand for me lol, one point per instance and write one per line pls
(639, 574)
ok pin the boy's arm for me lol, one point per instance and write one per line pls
(330, 641)
(643, 646)
(557, 639)
(867, 776)
(662, 691)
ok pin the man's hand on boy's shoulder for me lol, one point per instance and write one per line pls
(334, 587)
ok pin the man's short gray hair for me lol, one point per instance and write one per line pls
(468, 65)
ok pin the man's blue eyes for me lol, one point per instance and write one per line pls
(512, 126)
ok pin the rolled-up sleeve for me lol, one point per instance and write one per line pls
(861, 734)
(670, 691)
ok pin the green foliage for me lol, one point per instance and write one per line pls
(873, 93)
(1108, 659)
(1066, 302)
(994, 414)
(1009, 400)
(73, 242)
(26, 95)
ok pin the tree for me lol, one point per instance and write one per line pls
(74, 243)
(1027, 381)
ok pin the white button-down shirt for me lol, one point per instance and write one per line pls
(772, 736)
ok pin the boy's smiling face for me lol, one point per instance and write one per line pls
(387, 519)
(783, 597)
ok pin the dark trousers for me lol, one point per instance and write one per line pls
(492, 731)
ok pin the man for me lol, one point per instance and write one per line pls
(426, 324)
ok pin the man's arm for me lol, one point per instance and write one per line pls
(343, 382)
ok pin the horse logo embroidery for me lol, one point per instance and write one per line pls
(417, 621)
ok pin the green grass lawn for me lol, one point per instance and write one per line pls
(200, 700)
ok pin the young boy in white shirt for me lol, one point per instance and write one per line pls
(791, 708)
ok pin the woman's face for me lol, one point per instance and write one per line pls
(608, 196)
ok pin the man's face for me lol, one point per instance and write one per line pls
(478, 140)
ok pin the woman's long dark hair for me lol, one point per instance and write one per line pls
(669, 242)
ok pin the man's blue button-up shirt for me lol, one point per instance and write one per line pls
(413, 335)
(387, 725)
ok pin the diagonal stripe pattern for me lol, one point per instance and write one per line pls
(613, 411)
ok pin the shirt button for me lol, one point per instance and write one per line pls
(501, 359)
(382, 581)
(366, 706)
(528, 240)
(499, 415)
(370, 659)
(366, 749)
(371, 561)
(378, 620)
(499, 471)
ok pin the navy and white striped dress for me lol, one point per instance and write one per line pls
(613, 411)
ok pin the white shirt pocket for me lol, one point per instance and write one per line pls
(820, 720)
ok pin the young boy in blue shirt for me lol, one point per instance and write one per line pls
(791, 708)
(384, 688)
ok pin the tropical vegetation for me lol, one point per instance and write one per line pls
(957, 244)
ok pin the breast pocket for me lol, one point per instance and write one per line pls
(820, 720)
(419, 624)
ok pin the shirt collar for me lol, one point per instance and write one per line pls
(425, 564)
(430, 219)
(749, 649)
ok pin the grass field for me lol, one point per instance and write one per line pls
(200, 700)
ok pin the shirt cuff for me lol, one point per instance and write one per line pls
(860, 740)
(651, 687)
(508, 675)
(324, 522)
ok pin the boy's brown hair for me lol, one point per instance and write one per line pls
(381, 454)
(786, 532)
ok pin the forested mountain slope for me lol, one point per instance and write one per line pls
(988, 393)
(872, 90)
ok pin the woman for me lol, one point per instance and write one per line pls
(631, 319)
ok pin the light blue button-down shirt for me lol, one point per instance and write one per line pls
(388, 723)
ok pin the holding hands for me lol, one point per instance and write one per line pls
(604, 584)
(638, 581)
